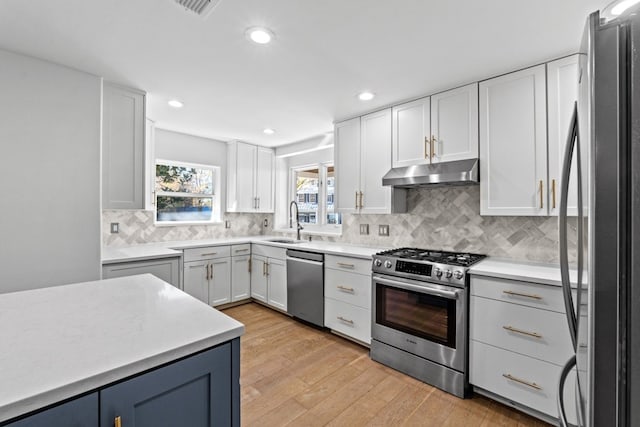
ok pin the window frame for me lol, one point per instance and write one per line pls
(216, 202)
(322, 211)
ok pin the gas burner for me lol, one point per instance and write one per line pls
(443, 257)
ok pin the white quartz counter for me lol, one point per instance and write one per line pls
(172, 249)
(526, 271)
(61, 341)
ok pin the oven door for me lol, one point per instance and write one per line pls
(423, 318)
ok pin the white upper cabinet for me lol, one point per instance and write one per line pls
(454, 124)
(562, 92)
(362, 152)
(123, 139)
(250, 178)
(513, 144)
(411, 133)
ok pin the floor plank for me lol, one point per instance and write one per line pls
(296, 375)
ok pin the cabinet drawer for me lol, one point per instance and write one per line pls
(352, 288)
(209, 252)
(269, 251)
(524, 293)
(239, 250)
(500, 371)
(356, 265)
(537, 333)
(348, 319)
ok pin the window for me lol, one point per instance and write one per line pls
(313, 189)
(186, 193)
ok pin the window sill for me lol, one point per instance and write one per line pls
(179, 223)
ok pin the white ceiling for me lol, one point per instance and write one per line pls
(324, 53)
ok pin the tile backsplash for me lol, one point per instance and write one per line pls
(445, 218)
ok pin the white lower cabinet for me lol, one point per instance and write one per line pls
(347, 292)
(519, 341)
(240, 272)
(207, 274)
(269, 275)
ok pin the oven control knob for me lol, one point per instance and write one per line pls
(458, 274)
(377, 262)
(387, 264)
(438, 272)
(448, 274)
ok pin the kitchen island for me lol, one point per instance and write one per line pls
(114, 341)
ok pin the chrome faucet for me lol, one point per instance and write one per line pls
(299, 227)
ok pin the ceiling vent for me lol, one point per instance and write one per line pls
(200, 7)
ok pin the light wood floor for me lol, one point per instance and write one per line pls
(293, 374)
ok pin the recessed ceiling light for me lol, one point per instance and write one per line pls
(175, 103)
(366, 96)
(260, 35)
(269, 131)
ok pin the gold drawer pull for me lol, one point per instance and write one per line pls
(518, 294)
(210, 254)
(346, 289)
(117, 422)
(426, 154)
(520, 331)
(241, 250)
(553, 192)
(521, 381)
(345, 320)
(345, 265)
(541, 194)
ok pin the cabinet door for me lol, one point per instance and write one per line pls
(513, 144)
(562, 92)
(454, 124)
(277, 282)
(196, 280)
(347, 156)
(411, 129)
(375, 162)
(194, 392)
(245, 177)
(123, 130)
(240, 277)
(265, 175)
(259, 277)
(167, 269)
(80, 412)
(220, 281)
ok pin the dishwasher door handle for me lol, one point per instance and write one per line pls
(307, 261)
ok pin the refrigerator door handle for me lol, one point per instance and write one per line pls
(562, 225)
(571, 363)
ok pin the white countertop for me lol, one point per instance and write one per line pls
(61, 341)
(172, 249)
(521, 270)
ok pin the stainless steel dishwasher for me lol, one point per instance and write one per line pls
(305, 286)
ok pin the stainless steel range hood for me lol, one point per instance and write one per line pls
(459, 172)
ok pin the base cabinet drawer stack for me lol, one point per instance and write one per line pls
(347, 292)
(519, 341)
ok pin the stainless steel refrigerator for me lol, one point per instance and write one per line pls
(603, 154)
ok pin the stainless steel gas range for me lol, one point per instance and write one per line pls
(420, 315)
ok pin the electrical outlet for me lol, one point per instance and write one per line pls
(227, 224)
(115, 227)
(364, 228)
(265, 223)
(383, 230)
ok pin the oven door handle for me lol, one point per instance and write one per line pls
(423, 288)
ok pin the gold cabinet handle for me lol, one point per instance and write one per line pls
(345, 265)
(356, 200)
(520, 331)
(117, 422)
(553, 193)
(264, 268)
(346, 289)
(432, 144)
(521, 381)
(345, 320)
(426, 154)
(541, 203)
(241, 250)
(210, 254)
(249, 265)
(519, 294)
(361, 203)
(267, 268)
(206, 269)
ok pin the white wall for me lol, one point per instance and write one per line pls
(193, 149)
(50, 185)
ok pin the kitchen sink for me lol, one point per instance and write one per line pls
(289, 241)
